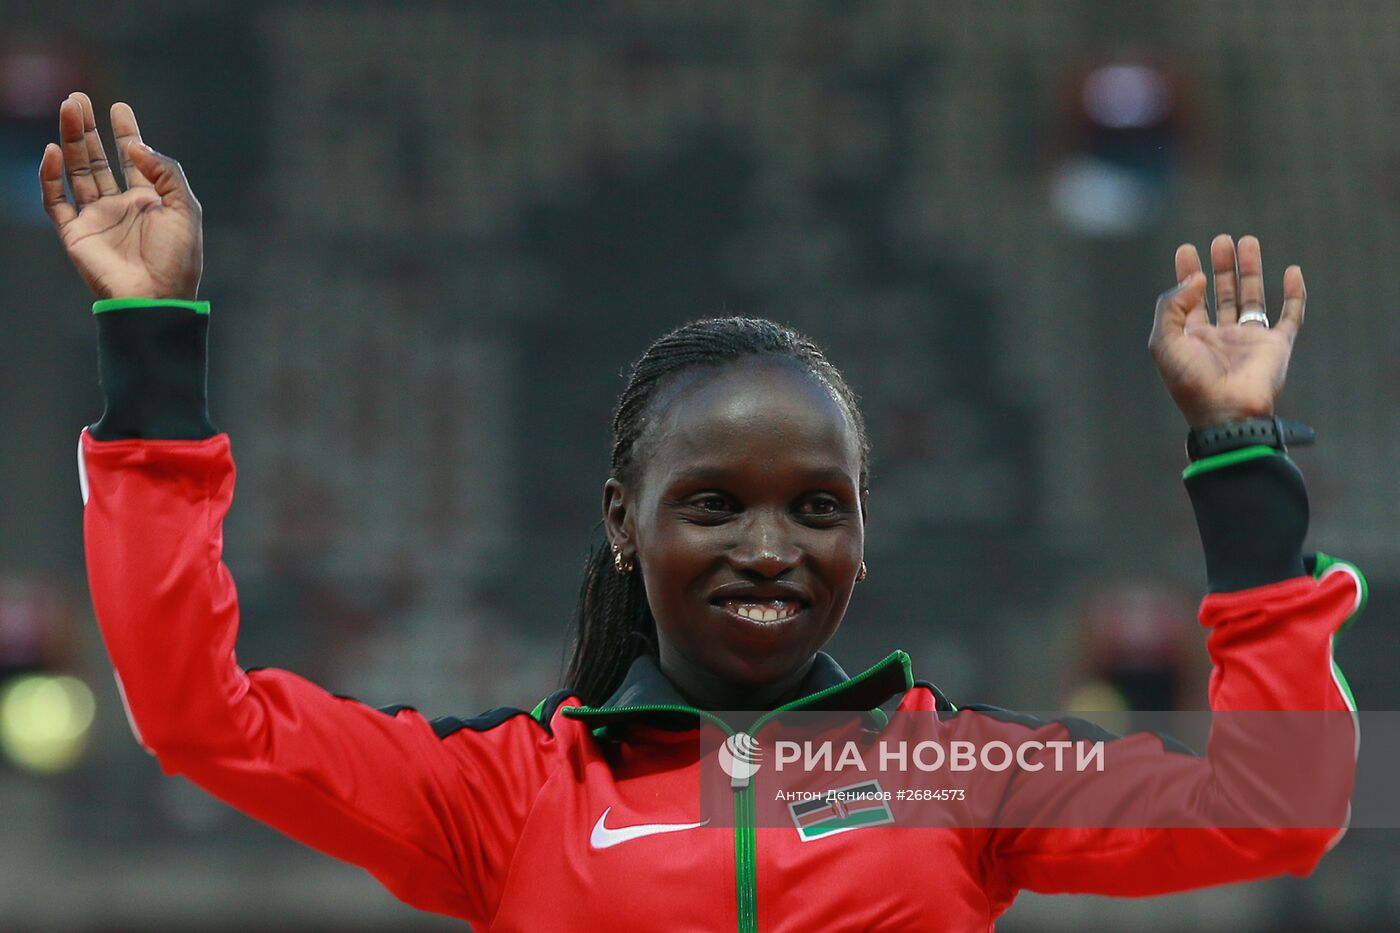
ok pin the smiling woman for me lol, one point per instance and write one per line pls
(735, 515)
(738, 495)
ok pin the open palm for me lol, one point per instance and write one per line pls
(144, 242)
(1225, 371)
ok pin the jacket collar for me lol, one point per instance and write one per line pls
(646, 691)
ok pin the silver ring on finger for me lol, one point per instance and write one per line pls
(1254, 316)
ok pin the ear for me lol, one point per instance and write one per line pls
(616, 520)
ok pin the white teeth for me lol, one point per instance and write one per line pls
(775, 609)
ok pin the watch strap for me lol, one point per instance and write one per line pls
(1212, 439)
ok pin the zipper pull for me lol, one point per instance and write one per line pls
(743, 756)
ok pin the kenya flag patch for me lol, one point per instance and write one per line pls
(854, 806)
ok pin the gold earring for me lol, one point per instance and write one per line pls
(619, 564)
(861, 576)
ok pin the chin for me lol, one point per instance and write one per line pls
(758, 672)
(748, 666)
(749, 654)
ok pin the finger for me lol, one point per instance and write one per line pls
(125, 132)
(97, 156)
(166, 176)
(1222, 264)
(1175, 308)
(75, 157)
(1295, 300)
(1188, 263)
(51, 188)
(1251, 264)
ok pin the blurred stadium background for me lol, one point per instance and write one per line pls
(437, 232)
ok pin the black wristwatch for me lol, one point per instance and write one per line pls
(1273, 432)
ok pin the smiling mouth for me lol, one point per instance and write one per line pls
(762, 611)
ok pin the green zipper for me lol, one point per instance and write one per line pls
(745, 839)
(745, 859)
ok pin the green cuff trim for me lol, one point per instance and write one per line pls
(1229, 458)
(1324, 561)
(117, 304)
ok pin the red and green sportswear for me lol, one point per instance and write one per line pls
(574, 818)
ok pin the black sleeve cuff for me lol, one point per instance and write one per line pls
(153, 366)
(1253, 516)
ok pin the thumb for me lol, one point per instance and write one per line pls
(1173, 306)
(165, 175)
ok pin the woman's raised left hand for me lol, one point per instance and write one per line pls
(1224, 371)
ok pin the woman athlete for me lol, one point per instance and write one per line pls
(735, 515)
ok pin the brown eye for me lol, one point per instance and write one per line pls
(821, 505)
(710, 503)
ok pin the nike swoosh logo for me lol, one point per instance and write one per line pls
(604, 837)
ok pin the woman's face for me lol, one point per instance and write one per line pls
(747, 524)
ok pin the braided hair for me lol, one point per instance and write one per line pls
(613, 623)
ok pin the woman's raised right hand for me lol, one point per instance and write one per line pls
(144, 242)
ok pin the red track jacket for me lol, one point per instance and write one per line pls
(571, 818)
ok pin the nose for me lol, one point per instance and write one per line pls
(765, 548)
